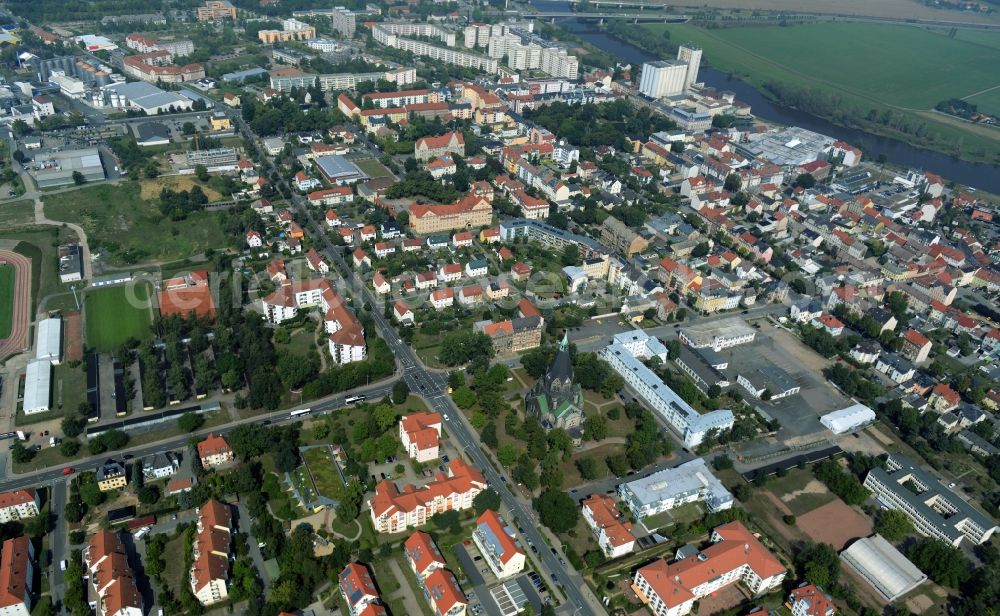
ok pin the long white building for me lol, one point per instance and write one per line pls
(347, 336)
(391, 36)
(673, 487)
(688, 423)
(935, 511)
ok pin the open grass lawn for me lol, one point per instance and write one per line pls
(173, 556)
(981, 37)
(372, 167)
(6, 300)
(40, 245)
(804, 503)
(871, 65)
(321, 465)
(133, 230)
(69, 387)
(115, 314)
(301, 342)
(17, 213)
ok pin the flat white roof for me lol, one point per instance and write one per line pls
(883, 566)
(37, 386)
(48, 344)
(847, 418)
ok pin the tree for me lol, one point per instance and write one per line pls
(557, 510)
(201, 172)
(595, 427)
(618, 464)
(818, 564)
(21, 454)
(943, 563)
(43, 607)
(805, 180)
(722, 462)
(489, 435)
(78, 178)
(700, 250)
(400, 391)
(588, 468)
(487, 499)
(893, 525)
(148, 495)
(524, 473)
(507, 455)
(464, 397)
(188, 128)
(742, 492)
(385, 416)
(733, 183)
(189, 422)
(69, 447)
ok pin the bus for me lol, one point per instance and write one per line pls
(354, 399)
(300, 412)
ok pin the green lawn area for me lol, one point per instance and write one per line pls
(6, 300)
(17, 213)
(882, 66)
(115, 314)
(40, 245)
(981, 37)
(173, 555)
(321, 465)
(372, 167)
(133, 230)
(804, 503)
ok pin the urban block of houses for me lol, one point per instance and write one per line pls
(734, 556)
(393, 511)
(111, 576)
(613, 530)
(209, 574)
(17, 574)
(346, 340)
(495, 541)
(420, 434)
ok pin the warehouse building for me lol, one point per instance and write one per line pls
(883, 567)
(717, 335)
(48, 340)
(338, 170)
(847, 419)
(935, 510)
(37, 386)
(673, 487)
(145, 97)
(57, 168)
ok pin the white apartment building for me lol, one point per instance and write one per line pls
(495, 541)
(690, 425)
(613, 531)
(209, 573)
(18, 504)
(385, 35)
(346, 342)
(735, 556)
(420, 434)
(672, 487)
(936, 511)
(393, 511)
(17, 573)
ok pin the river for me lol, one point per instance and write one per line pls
(978, 175)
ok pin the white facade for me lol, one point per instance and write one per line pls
(692, 56)
(661, 79)
(37, 386)
(848, 419)
(17, 505)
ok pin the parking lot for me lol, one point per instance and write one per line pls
(490, 596)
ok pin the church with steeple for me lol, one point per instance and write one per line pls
(555, 399)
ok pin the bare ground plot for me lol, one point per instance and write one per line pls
(74, 336)
(835, 523)
(150, 189)
(722, 599)
(861, 8)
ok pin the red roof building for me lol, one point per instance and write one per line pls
(423, 554)
(394, 510)
(214, 451)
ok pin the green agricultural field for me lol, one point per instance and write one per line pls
(870, 66)
(116, 217)
(6, 300)
(988, 38)
(115, 314)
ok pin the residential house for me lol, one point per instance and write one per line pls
(209, 574)
(393, 510)
(613, 530)
(420, 434)
(495, 541)
(214, 451)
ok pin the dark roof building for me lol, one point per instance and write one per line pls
(555, 399)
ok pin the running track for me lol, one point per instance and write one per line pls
(18, 340)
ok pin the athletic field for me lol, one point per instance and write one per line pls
(6, 300)
(115, 314)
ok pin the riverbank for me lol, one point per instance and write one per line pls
(853, 89)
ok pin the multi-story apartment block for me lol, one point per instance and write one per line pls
(384, 33)
(513, 335)
(444, 594)
(111, 576)
(17, 572)
(495, 541)
(291, 30)
(672, 487)
(935, 510)
(216, 10)
(617, 235)
(688, 423)
(346, 340)
(735, 556)
(209, 573)
(18, 505)
(613, 531)
(393, 511)
(215, 451)
(420, 434)
(423, 554)
(343, 20)
(358, 588)
(469, 212)
(428, 148)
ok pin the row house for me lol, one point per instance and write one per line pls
(111, 576)
(209, 575)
